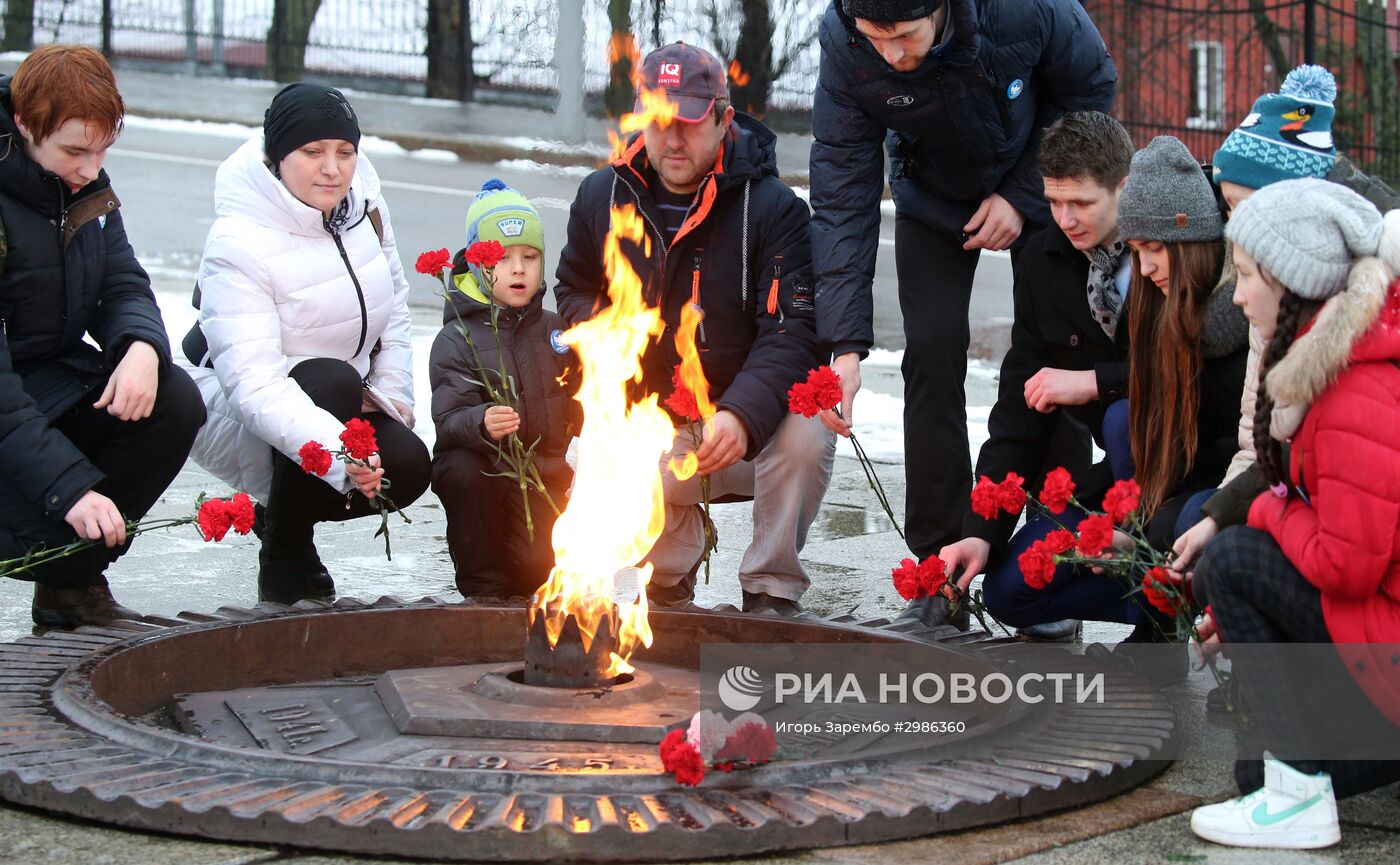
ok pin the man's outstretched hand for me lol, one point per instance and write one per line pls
(848, 367)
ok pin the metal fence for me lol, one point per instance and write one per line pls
(1193, 68)
(1189, 68)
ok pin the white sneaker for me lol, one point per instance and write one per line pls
(1292, 811)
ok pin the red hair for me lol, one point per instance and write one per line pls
(58, 83)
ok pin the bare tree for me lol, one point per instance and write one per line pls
(449, 50)
(287, 37)
(19, 25)
(618, 96)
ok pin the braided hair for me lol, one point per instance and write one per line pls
(1293, 311)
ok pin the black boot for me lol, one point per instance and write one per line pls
(933, 611)
(289, 570)
(70, 608)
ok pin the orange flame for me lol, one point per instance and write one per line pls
(737, 74)
(617, 509)
(692, 373)
(656, 105)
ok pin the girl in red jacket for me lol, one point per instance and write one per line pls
(1320, 560)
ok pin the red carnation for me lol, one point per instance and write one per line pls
(826, 387)
(680, 758)
(1011, 496)
(1095, 535)
(315, 459)
(1060, 541)
(906, 579)
(751, 743)
(1037, 565)
(1056, 493)
(932, 575)
(358, 438)
(985, 498)
(240, 512)
(1120, 501)
(433, 261)
(485, 253)
(1154, 584)
(214, 520)
(682, 401)
(802, 401)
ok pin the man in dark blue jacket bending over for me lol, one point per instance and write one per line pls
(958, 91)
(725, 234)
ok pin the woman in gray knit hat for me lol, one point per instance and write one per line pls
(1320, 560)
(1187, 342)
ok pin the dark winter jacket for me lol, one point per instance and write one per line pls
(964, 124)
(1053, 327)
(68, 271)
(541, 367)
(745, 242)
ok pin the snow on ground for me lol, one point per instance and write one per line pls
(529, 166)
(371, 144)
(879, 419)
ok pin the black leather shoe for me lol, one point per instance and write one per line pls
(679, 595)
(72, 608)
(762, 602)
(1063, 631)
(932, 611)
(288, 578)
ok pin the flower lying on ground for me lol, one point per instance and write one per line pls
(709, 739)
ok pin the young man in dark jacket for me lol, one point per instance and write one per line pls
(91, 436)
(1069, 339)
(957, 92)
(494, 554)
(724, 233)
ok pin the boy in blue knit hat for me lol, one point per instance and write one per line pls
(1288, 136)
(494, 554)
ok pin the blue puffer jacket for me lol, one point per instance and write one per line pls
(964, 124)
(69, 271)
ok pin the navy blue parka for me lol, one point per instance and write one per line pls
(965, 124)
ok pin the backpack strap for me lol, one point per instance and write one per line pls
(376, 220)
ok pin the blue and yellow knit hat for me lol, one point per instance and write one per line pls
(1287, 135)
(502, 214)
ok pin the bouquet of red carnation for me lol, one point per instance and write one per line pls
(357, 444)
(1112, 541)
(822, 392)
(500, 387)
(712, 740)
(213, 517)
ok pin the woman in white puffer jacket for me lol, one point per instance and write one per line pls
(303, 324)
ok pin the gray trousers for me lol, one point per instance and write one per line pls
(786, 481)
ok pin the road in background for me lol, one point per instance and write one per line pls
(164, 173)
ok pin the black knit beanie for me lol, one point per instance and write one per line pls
(890, 11)
(307, 112)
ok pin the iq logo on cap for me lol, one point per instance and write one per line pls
(669, 75)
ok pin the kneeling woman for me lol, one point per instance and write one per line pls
(303, 325)
(1320, 560)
